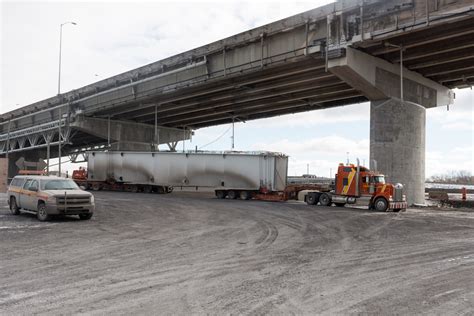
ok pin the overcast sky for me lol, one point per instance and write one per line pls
(113, 37)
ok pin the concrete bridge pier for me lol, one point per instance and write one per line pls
(397, 144)
(397, 128)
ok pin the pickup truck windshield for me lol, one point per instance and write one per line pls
(58, 185)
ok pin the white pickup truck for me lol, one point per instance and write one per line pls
(48, 195)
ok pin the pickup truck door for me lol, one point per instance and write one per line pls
(29, 199)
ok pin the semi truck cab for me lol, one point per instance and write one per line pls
(355, 184)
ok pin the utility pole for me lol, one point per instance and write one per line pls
(233, 132)
(400, 47)
(59, 143)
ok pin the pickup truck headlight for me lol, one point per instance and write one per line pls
(92, 199)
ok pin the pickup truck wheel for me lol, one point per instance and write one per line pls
(324, 199)
(381, 204)
(14, 209)
(311, 199)
(85, 217)
(42, 214)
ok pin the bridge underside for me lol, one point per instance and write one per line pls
(442, 52)
(300, 85)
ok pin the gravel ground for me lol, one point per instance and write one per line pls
(189, 253)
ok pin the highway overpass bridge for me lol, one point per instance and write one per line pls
(342, 53)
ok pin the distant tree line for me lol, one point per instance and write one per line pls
(453, 177)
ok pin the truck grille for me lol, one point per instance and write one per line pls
(398, 192)
(73, 200)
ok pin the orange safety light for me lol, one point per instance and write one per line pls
(464, 193)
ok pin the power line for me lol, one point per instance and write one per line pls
(215, 140)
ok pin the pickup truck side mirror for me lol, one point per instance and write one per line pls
(82, 187)
(35, 189)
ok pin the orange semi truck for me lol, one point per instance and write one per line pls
(357, 185)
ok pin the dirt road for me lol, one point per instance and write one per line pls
(188, 253)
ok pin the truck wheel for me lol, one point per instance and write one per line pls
(233, 194)
(169, 189)
(381, 204)
(160, 190)
(340, 204)
(221, 194)
(95, 186)
(245, 195)
(85, 217)
(14, 209)
(311, 199)
(325, 200)
(42, 214)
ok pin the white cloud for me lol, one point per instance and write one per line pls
(459, 117)
(322, 154)
(458, 158)
(327, 145)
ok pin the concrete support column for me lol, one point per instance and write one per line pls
(397, 143)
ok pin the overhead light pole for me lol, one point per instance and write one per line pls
(60, 47)
(59, 92)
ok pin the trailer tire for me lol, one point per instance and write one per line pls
(96, 187)
(233, 194)
(169, 189)
(245, 195)
(311, 199)
(160, 189)
(221, 194)
(380, 204)
(325, 199)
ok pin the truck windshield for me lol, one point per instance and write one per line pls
(58, 185)
(379, 179)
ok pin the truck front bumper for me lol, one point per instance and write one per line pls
(398, 205)
(54, 209)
